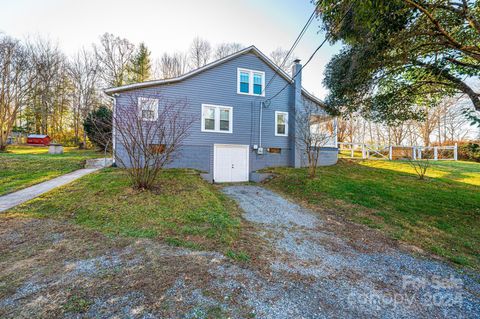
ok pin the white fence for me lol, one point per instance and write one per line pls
(391, 152)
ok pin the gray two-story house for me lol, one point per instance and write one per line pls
(245, 108)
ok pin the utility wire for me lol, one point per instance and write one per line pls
(422, 77)
(294, 45)
(315, 52)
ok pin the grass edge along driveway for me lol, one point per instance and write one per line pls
(183, 211)
(440, 215)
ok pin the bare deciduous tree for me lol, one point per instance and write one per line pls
(225, 49)
(398, 133)
(413, 136)
(311, 126)
(172, 65)
(278, 57)
(342, 129)
(353, 127)
(114, 56)
(452, 123)
(428, 125)
(16, 77)
(200, 52)
(50, 67)
(150, 131)
(84, 73)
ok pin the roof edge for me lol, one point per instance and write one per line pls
(313, 98)
(252, 48)
(255, 50)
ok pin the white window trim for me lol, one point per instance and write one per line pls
(276, 122)
(250, 81)
(140, 108)
(217, 118)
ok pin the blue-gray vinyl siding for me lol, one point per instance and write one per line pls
(218, 86)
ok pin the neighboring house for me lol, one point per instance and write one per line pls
(236, 133)
(16, 137)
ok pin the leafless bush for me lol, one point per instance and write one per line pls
(420, 166)
(312, 134)
(151, 130)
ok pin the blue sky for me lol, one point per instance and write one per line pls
(169, 26)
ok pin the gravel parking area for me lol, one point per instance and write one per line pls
(312, 267)
(348, 276)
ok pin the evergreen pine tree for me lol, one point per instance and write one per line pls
(141, 65)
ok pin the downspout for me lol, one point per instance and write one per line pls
(252, 119)
(114, 144)
(297, 109)
(260, 125)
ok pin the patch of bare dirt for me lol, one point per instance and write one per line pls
(54, 269)
(302, 265)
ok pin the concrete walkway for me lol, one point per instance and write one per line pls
(11, 200)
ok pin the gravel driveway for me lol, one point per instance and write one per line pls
(338, 278)
(311, 266)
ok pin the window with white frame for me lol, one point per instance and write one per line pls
(250, 82)
(243, 82)
(281, 123)
(148, 108)
(216, 118)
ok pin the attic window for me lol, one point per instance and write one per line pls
(250, 82)
(257, 83)
(244, 80)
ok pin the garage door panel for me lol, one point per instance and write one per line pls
(239, 165)
(222, 165)
(231, 163)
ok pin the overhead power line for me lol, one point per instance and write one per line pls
(294, 45)
(316, 50)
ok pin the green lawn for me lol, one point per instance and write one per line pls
(183, 211)
(23, 166)
(459, 171)
(440, 214)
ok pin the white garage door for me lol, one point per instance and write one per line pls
(230, 163)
